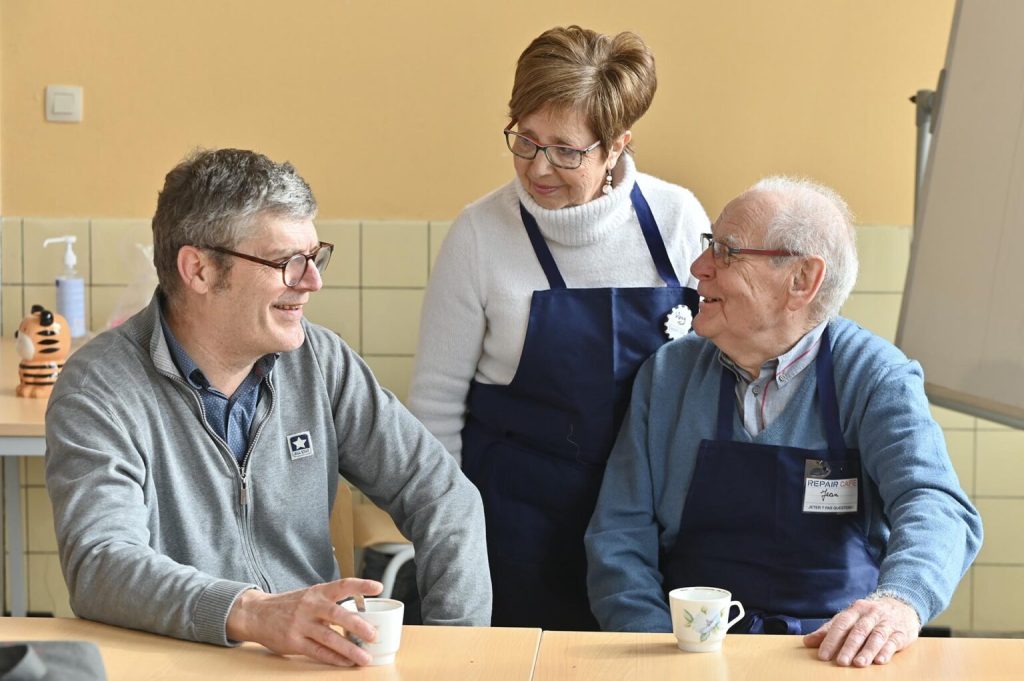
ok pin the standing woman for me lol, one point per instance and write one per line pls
(547, 295)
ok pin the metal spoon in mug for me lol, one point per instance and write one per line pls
(361, 607)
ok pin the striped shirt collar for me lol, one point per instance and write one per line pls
(786, 366)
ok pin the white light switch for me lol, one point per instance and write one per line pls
(64, 103)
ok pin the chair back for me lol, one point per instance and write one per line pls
(371, 525)
(342, 534)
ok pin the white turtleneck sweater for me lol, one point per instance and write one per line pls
(477, 304)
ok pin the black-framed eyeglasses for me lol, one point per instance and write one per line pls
(293, 269)
(725, 254)
(558, 155)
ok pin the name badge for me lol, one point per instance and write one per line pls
(829, 487)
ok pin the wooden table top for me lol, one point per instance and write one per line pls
(19, 416)
(427, 654)
(500, 654)
(565, 656)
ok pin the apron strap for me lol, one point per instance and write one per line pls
(540, 247)
(726, 402)
(827, 395)
(648, 225)
(655, 244)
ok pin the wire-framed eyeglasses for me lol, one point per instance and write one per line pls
(558, 155)
(293, 268)
(724, 254)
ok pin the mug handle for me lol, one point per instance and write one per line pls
(738, 617)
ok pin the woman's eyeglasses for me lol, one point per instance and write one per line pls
(558, 155)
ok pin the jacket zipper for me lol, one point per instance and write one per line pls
(250, 542)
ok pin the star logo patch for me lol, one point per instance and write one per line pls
(300, 445)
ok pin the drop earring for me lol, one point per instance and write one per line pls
(607, 188)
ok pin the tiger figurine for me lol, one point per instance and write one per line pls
(44, 342)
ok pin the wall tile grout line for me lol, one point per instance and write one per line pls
(377, 259)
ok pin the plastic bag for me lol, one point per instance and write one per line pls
(137, 294)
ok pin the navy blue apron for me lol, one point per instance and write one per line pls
(537, 447)
(744, 528)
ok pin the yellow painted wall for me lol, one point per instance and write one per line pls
(393, 109)
(1, 106)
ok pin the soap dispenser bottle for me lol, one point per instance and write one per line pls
(70, 288)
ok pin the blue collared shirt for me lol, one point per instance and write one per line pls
(760, 400)
(230, 417)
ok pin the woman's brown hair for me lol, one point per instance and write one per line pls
(610, 80)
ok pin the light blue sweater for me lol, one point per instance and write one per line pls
(921, 527)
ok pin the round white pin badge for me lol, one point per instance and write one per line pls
(678, 322)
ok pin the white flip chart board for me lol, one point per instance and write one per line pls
(963, 305)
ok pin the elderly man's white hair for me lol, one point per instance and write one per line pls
(812, 219)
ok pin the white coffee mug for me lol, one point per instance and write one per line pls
(700, 617)
(386, 615)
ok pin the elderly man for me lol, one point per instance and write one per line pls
(782, 452)
(194, 452)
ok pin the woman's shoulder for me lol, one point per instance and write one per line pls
(486, 226)
(496, 207)
(497, 202)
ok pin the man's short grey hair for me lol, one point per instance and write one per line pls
(219, 198)
(812, 219)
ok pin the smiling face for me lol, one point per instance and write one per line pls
(555, 188)
(250, 309)
(745, 306)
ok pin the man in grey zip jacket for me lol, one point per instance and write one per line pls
(193, 453)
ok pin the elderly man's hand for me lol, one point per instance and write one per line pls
(869, 631)
(299, 622)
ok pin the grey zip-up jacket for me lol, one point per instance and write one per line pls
(160, 528)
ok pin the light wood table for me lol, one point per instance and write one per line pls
(427, 654)
(643, 657)
(22, 433)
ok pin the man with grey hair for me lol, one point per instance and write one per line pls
(193, 453)
(782, 452)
